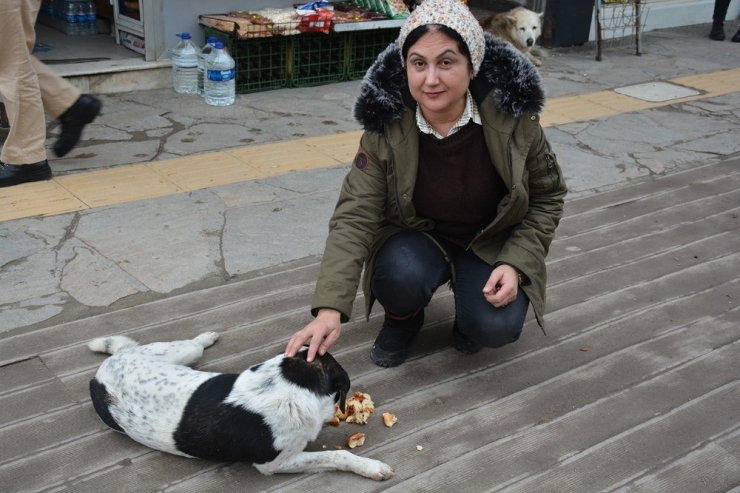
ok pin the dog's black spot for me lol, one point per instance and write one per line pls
(101, 399)
(212, 430)
(323, 376)
(255, 367)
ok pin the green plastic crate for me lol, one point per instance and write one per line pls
(317, 58)
(261, 63)
(364, 48)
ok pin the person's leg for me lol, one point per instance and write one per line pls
(477, 322)
(717, 32)
(19, 84)
(720, 10)
(57, 93)
(64, 101)
(408, 270)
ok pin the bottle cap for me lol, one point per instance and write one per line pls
(219, 45)
(212, 39)
(184, 35)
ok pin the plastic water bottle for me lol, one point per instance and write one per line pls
(71, 13)
(219, 85)
(185, 66)
(91, 14)
(81, 17)
(204, 52)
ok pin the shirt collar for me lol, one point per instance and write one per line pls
(470, 113)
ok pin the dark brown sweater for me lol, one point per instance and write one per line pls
(457, 185)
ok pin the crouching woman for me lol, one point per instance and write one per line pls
(454, 182)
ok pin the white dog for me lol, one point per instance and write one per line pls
(521, 27)
(265, 415)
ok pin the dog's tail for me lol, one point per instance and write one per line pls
(112, 344)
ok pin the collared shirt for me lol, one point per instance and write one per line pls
(470, 113)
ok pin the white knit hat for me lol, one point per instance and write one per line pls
(453, 14)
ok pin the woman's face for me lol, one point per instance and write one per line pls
(438, 76)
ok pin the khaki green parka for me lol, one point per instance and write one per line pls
(376, 197)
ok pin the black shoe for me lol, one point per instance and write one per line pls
(717, 33)
(15, 174)
(395, 338)
(462, 343)
(736, 37)
(85, 109)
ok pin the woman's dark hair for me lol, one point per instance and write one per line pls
(420, 31)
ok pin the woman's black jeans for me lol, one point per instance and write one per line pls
(409, 268)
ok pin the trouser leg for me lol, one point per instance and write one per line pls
(408, 270)
(720, 10)
(477, 319)
(57, 93)
(19, 84)
(410, 267)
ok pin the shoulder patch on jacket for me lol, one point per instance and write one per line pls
(362, 161)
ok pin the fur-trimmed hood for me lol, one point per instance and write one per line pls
(514, 80)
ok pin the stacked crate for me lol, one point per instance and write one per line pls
(261, 63)
(317, 59)
(364, 47)
(303, 60)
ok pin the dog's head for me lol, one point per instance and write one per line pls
(527, 25)
(323, 376)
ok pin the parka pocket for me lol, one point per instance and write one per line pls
(544, 173)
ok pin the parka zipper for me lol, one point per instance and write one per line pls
(550, 166)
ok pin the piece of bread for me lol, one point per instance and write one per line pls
(389, 419)
(356, 440)
(357, 409)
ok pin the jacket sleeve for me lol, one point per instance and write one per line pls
(352, 228)
(530, 240)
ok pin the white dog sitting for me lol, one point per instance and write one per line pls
(521, 27)
(265, 415)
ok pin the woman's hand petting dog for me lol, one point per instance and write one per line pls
(323, 332)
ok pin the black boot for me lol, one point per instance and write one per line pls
(15, 174)
(736, 37)
(395, 338)
(85, 109)
(717, 33)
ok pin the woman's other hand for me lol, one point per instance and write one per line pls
(502, 286)
(323, 332)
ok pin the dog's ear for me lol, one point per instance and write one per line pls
(541, 15)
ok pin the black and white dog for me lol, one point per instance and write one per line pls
(265, 415)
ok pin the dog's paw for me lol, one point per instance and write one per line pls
(207, 339)
(379, 471)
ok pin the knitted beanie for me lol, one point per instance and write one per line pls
(453, 14)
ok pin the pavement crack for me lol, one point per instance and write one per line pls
(69, 233)
(221, 262)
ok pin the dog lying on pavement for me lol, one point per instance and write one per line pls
(519, 26)
(266, 415)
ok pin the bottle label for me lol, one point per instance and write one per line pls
(221, 75)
